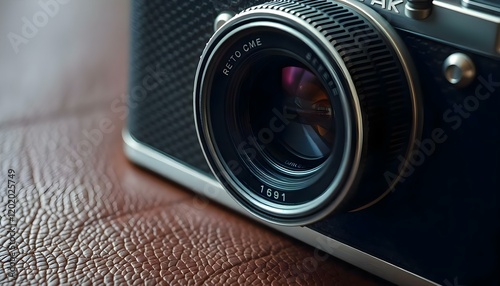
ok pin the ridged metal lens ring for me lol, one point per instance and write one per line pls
(332, 88)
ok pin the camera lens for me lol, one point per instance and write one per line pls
(305, 108)
(287, 110)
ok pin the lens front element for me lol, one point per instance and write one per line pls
(289, 111)
(311, 135)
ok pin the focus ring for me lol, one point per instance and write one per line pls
(381, 86)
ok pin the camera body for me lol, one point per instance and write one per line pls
(434, 219)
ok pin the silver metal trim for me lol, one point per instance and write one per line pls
(452, 24)
(473, 4)
(207, 186)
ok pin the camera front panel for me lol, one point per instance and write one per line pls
(440, 222)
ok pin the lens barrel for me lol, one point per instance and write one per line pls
(304, 107)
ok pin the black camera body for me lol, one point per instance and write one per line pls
(367, 129)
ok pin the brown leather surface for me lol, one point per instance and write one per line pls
(84, 213)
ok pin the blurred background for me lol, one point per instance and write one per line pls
(51, 47)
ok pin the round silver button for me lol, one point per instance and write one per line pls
(222, 18)
(416, 13)
(459, 70)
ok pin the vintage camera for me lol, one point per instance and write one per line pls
(367, 129)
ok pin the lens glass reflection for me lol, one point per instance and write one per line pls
(288, 112)
(310, 133)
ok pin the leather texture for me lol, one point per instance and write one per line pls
(86, 215)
